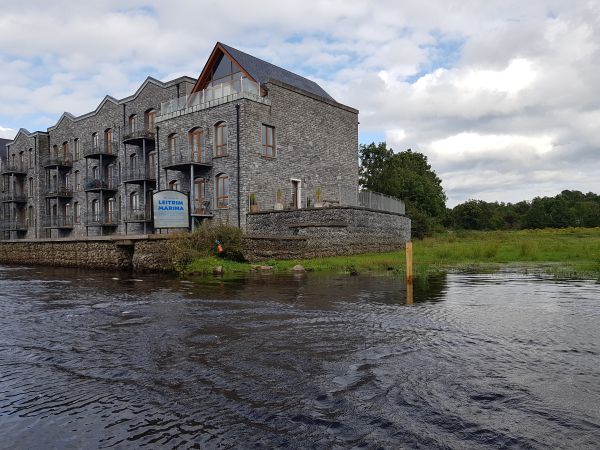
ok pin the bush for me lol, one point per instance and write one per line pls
(203, 242)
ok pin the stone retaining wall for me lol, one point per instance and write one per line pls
(311, 233)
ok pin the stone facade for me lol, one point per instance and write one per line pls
(72, 186)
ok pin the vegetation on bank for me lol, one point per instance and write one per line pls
(563, 252)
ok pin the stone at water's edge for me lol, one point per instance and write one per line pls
(218, 270)
(298, 268)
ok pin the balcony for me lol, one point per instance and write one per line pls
(106, 219)
(59, 191)
(12, 196)
(58, 161)
(182, 157)
(108, 149)
(135, 135)
(62, 222)
(14, 168)
(201, 208)
(100, 184)
(221, 93)
(138, 215)
(139, 174)
(14, 224)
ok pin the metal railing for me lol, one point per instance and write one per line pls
(138, 215)
(185, 154)
(14, 224)
(137, 132)
(201, 208)
(58, 221)
(58, 191)
(139, 174)
(14, 167)
(102, 147)
(12, 196)
(211, 93)
(65, 160)
(102, 183)
(380, 202)
(104, 219)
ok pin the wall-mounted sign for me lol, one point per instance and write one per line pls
(171, 209)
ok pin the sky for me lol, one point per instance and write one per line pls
(502, 96)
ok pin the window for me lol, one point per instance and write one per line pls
(108, 141)
(30, 216)
(134, 201)
(30, 157)
(111, 216)
(54, 151)
(151, 169)
(268, 140)
(175, 185)
(67, 181)
(95, 173)
(197, 144)
(22, 160)
(77, 212)
(94, 141)
(111, 178)
(65, 151)
(221, 139)
(76, 181)
(132, 123)
(150, 118)
(95, 211)
(67, 212)
(173, 144)
(30, 187)
(222, 188)
(133, 161)
(76, 149)
(199, 195)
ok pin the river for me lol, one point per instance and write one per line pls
(95, 360)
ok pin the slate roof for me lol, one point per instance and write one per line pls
(3, 149)
(263, 71)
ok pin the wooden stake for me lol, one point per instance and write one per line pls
(409, 273)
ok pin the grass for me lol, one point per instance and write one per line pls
(563, 252)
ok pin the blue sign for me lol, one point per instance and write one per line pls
(171, 209)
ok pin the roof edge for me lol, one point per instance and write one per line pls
(313, 96)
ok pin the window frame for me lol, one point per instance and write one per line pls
(222, 183)
(265, 144)
(221, 131)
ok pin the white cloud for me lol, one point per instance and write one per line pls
(7, 133)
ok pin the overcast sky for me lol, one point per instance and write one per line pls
(502, 96)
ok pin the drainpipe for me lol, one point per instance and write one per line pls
(37, 178)
(158, 158)
(237, 138)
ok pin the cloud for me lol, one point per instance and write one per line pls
(501, 95)
(7, 133)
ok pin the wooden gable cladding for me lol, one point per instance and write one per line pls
(206, 73)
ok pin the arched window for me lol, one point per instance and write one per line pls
(197, 144)
(111, 212)
(76, 212)
(132, 122)
(95, 144)
(151, 169)
(76, 149)
(222, 190)
(133, 161)
(108, 141)
(30, 187)
(175, 185)
(22, 160)
(221, 139)
(54, 151)
(150, 118)
(76, 181)
(68, 181)
(67, 211)
(134, 201)
(111, 175)
(30, 157)
(30, 216)
(173, 144)
(65, 151)
(95, 173)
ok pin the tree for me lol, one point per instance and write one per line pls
(408, 176)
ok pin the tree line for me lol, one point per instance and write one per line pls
(407, 175)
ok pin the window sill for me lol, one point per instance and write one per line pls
(267, 156)
(221, 156)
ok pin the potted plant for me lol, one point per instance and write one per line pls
(278, 200)
(318, 195)
(254, 208)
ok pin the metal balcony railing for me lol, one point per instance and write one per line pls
(58, 221)
(100, 184)
(103, 147)
(103, 219)
(14, 224)
(134, 132)
(18, 168)
(139, 174)
(63, 160)
(201, 208)
(58, 191)
(12, 196)
(138, 215)
(186, 154)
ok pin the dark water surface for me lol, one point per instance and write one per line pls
(502, 360)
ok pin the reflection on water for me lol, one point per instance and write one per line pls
(101, 360)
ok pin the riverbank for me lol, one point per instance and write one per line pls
(573, 252)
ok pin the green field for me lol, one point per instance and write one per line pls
(564, 252)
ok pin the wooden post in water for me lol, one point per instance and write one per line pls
(409, 273)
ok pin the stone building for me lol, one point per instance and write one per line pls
(244, 135)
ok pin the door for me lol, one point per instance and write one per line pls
(296, 199)
(151, 166)
(199, 187)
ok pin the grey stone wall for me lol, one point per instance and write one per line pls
(315, 232)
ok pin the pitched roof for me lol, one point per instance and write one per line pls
(263, 71)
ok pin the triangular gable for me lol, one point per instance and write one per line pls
(215, 57)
